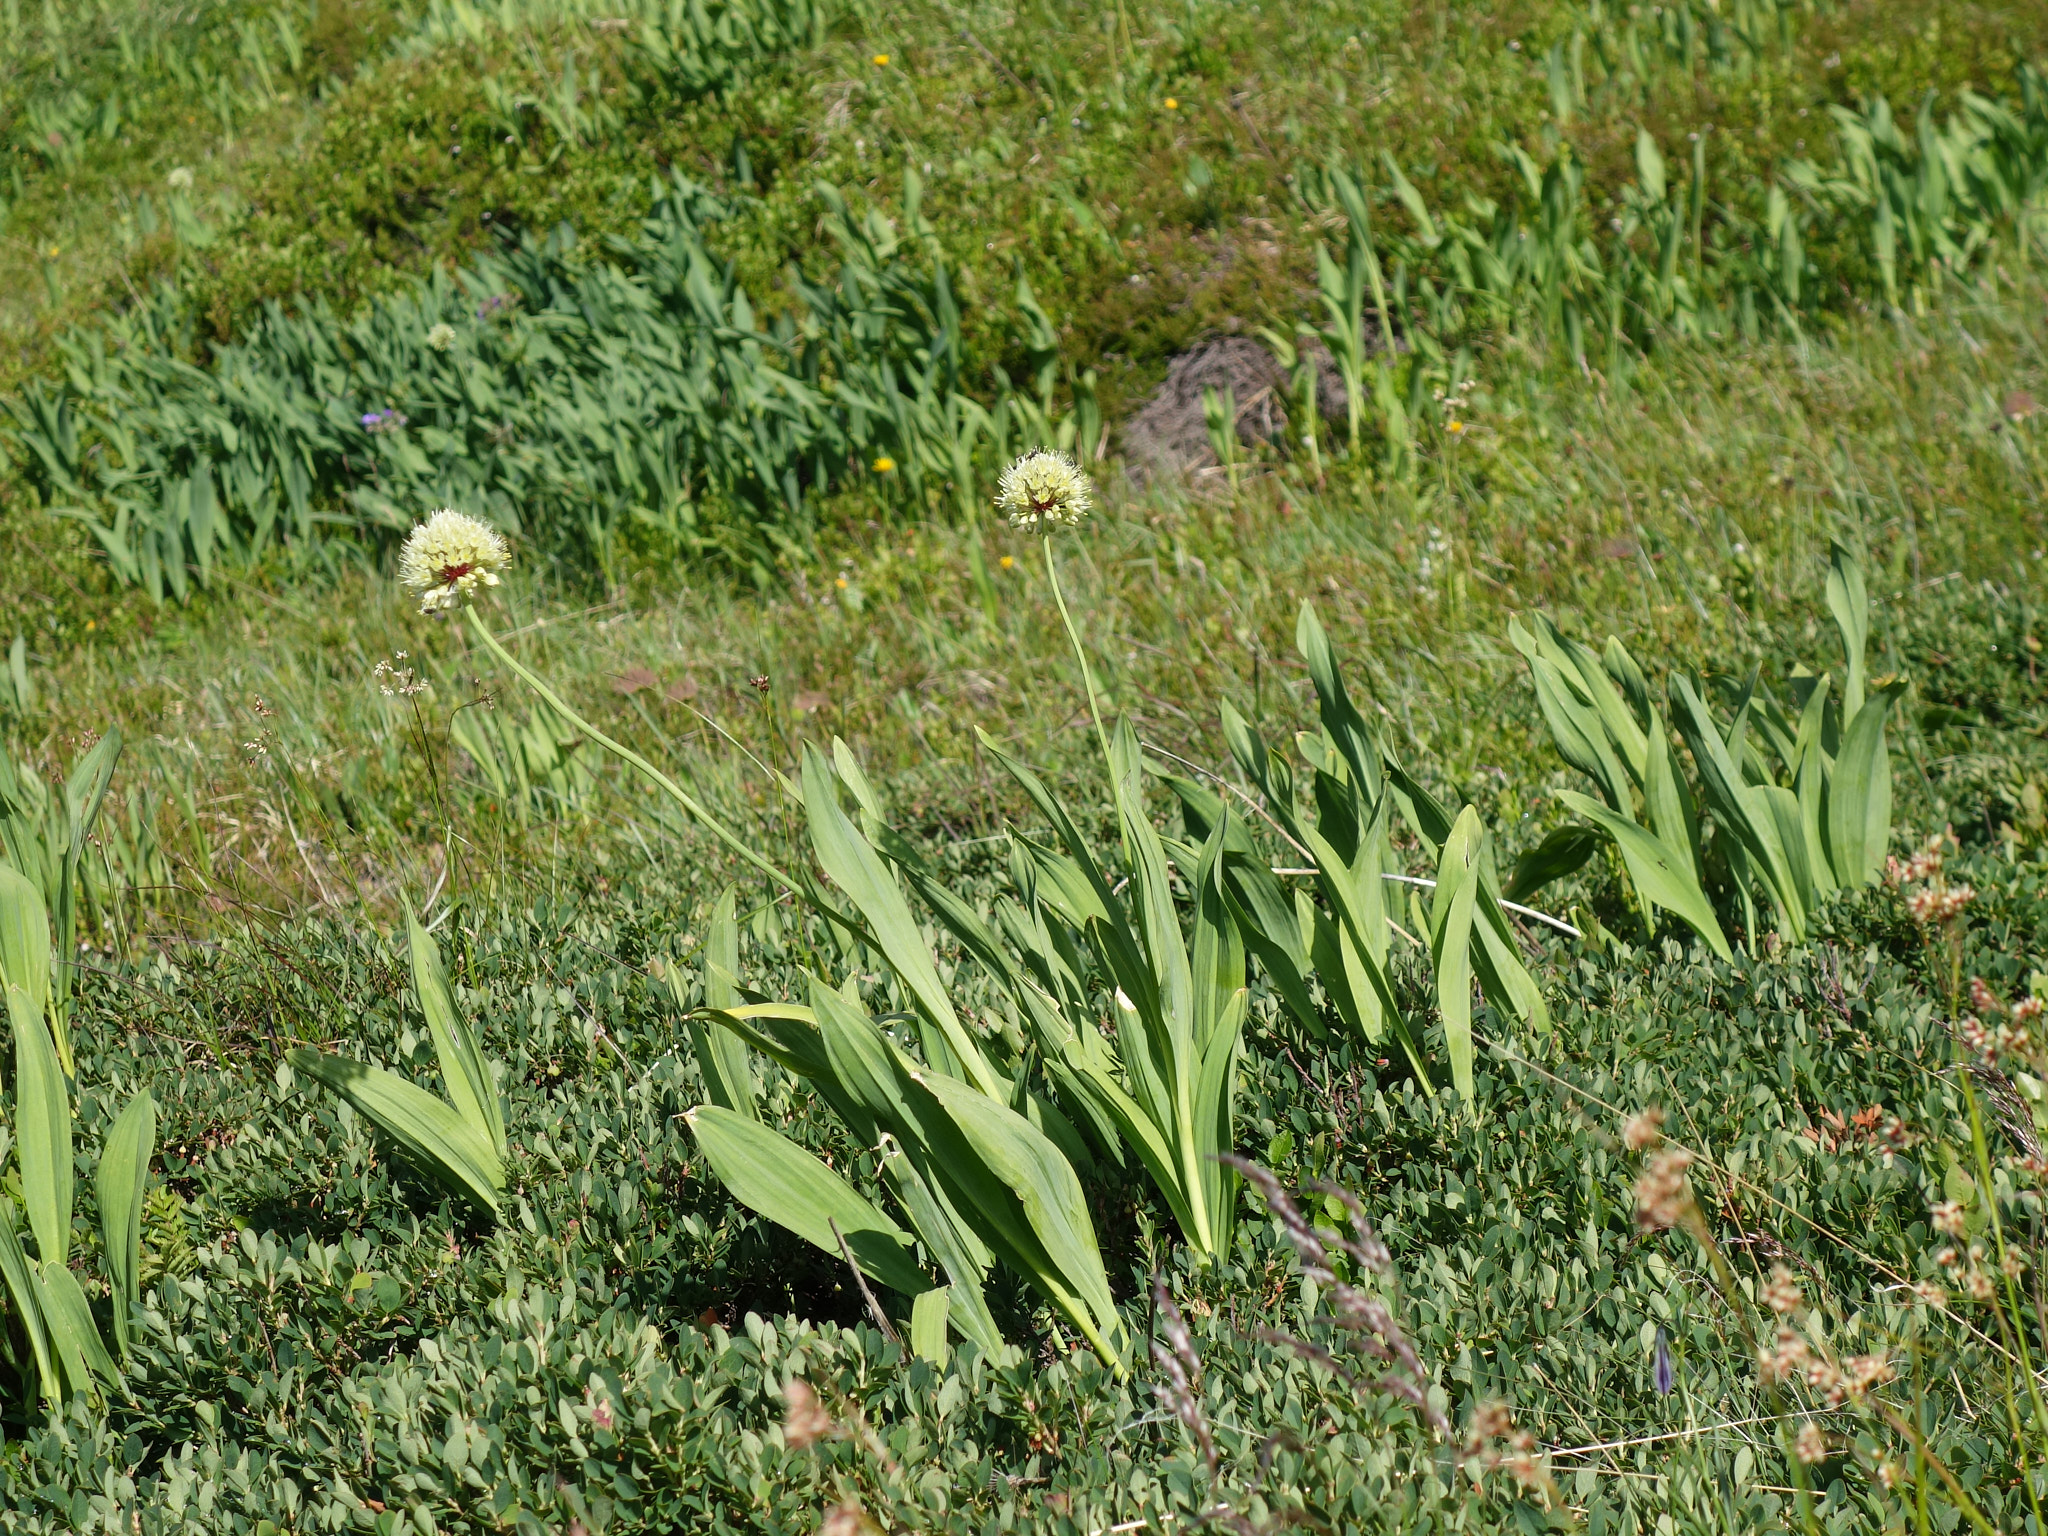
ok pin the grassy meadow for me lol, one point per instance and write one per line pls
(422, 1118)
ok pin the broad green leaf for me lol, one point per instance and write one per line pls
(1628, 677)
(464, 1069)
(774, 1177)
(1202, 808)
(1596, 684)
(1061, 1252)
(83, 791)
(1100, 899)
(1748, 815)
(1810, 774)
(1589, 720)
(1457, 883)
(1285, 965)
(1580, 735)
(1859, 798)
(868, 1067)
(1070, 887)
(42, 1114)
(855, 778)
(73, 1334)
(859, 1074)
(1504, 980)
(928, 1326)
(1358, 924)
(123, 1179)
(721, 1054)
(949, 1238)
(1649, 166)
(1247, 750)
(1151, 888)
(859, 872)
(1661, 879)
(26, 1292)
(1261, 896)
(1780, 811)
(24, 937)
(1340, 717)
(1666, 802)
(786, 1033)
(439, 1141)
(1143, 1132)
(1850, 604)
(1216, 1083)
(1562, 852)
(86, 786)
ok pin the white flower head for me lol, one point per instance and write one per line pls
(441, 337)
(448, 557)
(180, 179)
(1044, 488)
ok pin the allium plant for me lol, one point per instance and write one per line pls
(974, 1178)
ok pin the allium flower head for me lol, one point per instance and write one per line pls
(180, 179)
(1044, 488)
(441, 337)
(448, 557)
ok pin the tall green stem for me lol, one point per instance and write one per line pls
(1981, 1150)
(1080, 655)
(660, 780)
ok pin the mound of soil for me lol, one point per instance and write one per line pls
(1169, 437)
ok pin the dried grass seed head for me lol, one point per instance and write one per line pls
(805, 1422)
(1644, 1130)
(1781, 1292)
(1180, 1393)
(1663, 1193)
(1813, 1444)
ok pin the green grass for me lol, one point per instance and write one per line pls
(1688, 514)
(325, 1331)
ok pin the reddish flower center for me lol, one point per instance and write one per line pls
(454, 573)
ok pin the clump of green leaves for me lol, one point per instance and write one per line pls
(459, 1140)
(65, 1352)
(1340, 946)
(43, 834)
(1800, 813)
